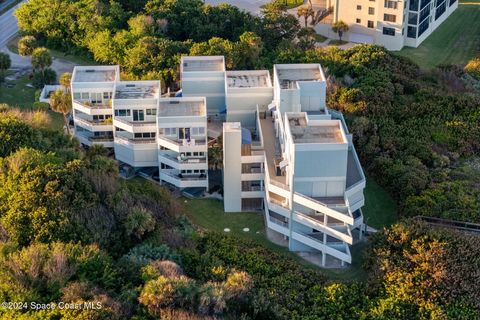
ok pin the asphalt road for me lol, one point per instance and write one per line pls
(8, 26)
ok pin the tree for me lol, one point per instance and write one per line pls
(65, 80)
(39, 80)
(41, 59)
(5, 64)
(306, 38)
(305, 12)
(340, 27)
(26, 45)
(61, 101)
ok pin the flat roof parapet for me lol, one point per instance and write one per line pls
(95, 74)
(248, 79)
(304, 130)
(182, 107)
(202, 63)
(137, 90)
(287, 75)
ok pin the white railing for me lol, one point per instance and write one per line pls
(88, 104)
(136, 141)
(135, 123)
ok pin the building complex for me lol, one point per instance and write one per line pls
(284, 152)
(390, 23)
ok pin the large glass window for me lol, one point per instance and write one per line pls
(412, 32)
(76, 95)
(423, 27)
(424, 14)
(96, 97)
(413, 5)
(122, 113)
(440, 10)
(413, 18)
(389, 31)
(85, 96)
(424, 3)
(452, 2)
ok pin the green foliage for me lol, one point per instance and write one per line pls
(340, 27)
(26, 45)
(473, 68)
(424, 273)
(41, 58)
(42, 78)
(5, 64)
(41, 106)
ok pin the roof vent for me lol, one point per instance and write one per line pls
(89, 70)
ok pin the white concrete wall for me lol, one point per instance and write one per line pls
(232, 167)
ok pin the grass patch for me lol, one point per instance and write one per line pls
(76, 59)
(208, 214)
(380, 209)
(320, 38)
(336, 42)
(22, 97)
(455, 41)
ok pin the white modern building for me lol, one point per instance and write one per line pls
(303, 170)
(390, 23)
(92, 91)
(284, 152)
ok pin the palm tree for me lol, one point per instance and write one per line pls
(340, 27)
(65, 81)
(60, 101)
(215, 154)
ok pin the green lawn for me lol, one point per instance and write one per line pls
(208, 214)
(456, 41)
(22, 97)
(380, 209)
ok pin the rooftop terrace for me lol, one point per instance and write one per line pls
(95, 74)
(137, 90)
(248, 79)
(303, 132)
(207, 63)
(289, 75)
(182, 107)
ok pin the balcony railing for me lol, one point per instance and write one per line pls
(139, 141)
(185, 177)
(89, 104)
(93, 122)
(181, 160)
(135, 123)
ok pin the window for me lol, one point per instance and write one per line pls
(424, 14)
(96, 97)
(424, 3)
(144, 135)
(452, 2)
(413, 5)
(413, 18)
(122, 113)
(107, 95)
(389, 31)
(359, 7)
(76, 95)
(440, 10)
(171, 131)
(151, 112)
(423, 27)
(85, 96)
(389, 17)
(370, 24)
(371, 10)
(391, 4)
(359, 21)
(412, 32)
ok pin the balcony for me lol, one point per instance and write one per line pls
(180, 163)
(90, 108)
(134, 126)
(183, 180)
(183, 145)
(93, 125)
(107, 142)
(138, 144)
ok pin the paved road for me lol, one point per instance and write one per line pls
(8, 26)
(252, 6)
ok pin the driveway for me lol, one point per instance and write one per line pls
(252, 6)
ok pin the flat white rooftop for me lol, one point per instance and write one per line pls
(95, 74)
(182, 107)
(137, 90)
(206, 63)
(248, 79)
(323, 131)
(289, 74)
